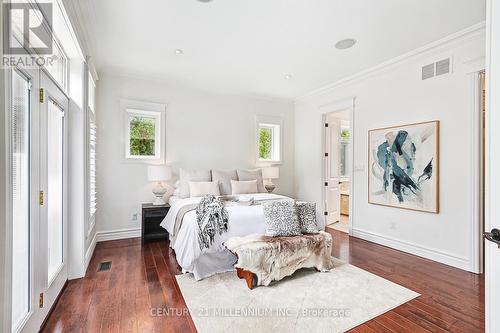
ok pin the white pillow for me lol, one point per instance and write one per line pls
(194, 176)
(244, 187)
(253, 175)
(199, 189)
(177, 186)
(224, 179)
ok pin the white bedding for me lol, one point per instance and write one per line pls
(243, 220)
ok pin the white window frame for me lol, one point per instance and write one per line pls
(274, 123)
(144, 109)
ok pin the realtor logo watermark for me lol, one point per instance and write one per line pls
(264, 312)
(28, 38)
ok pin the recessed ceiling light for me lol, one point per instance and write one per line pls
(345, 43)
(178, 51)
(288, 76)
(204, 0)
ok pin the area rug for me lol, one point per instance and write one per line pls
(308, 301)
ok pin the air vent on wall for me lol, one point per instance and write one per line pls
(440, 67)
(427, 72)
(443, 67)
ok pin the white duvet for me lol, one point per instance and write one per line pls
(243, 220)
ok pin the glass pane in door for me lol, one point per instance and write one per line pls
(20, 194)
(55, 132)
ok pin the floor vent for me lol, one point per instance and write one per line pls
(104, 266)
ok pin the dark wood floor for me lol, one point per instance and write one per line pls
(142, 277)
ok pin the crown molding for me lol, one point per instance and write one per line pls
(461, 36)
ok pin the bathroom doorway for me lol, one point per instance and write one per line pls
(337, 159)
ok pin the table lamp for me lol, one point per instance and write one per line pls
(159, 174)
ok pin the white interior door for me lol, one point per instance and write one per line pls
(53, 172)
(332, 168)
(492, 250)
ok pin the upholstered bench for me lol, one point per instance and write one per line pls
(263, 259)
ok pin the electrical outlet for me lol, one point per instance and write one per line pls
(134, 217)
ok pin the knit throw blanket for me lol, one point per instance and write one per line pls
(212, 218)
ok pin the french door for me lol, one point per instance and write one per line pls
(37, 157)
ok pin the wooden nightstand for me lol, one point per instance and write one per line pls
(151, 219)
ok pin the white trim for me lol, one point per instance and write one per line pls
(458, 37)
(348, 103)
(103, 236)
(155, 109)
(474, 195)
(474, 65)
(90, 252)
(415, 249)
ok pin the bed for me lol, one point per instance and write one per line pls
(182, 226)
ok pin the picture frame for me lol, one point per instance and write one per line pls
(403, 166)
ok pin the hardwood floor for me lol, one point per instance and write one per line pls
(142, 277)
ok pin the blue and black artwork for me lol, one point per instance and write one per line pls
(396, 157)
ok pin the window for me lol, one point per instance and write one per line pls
(20, 193)
(269, 141)
(143, 132)
(143, 139)
(92, 136)
(344, 152)
(58, 67)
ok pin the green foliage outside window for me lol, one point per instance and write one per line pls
(142, 136)
(344, 134)
(265, 143)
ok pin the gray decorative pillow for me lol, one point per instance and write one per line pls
(194, 176)
(224, 179)
(306, 212)
(281, 219)
(253, 175)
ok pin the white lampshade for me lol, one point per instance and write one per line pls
(271, 173)
(159, 173)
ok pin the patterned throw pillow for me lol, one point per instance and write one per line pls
(306, 212)
(281, 219)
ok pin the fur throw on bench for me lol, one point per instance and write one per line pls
(273, 258)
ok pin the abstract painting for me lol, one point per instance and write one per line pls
(404, 166)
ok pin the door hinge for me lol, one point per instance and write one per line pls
(40, 301)
(40, 95)
(326, 183)
(326, 213)
(326, 154)
(326, 124)
(40, 198)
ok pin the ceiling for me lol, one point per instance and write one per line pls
(249, 46)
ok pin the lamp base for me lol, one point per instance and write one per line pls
(159, 201)
(269, 187)
(159, 191)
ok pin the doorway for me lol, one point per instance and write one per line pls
(37, 226)
(337, 161)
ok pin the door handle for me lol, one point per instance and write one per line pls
(493, 236)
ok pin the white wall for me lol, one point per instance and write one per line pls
(204, 130)
(392, 96)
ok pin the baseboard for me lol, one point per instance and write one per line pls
(424, 252)
(103, 236)
(90, 251)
